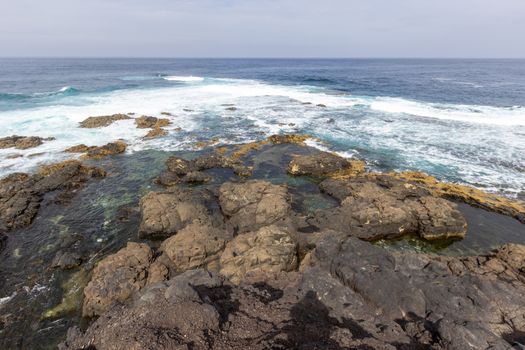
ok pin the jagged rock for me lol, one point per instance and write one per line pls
(79, 149)
(22, 142)
(254, 204)
(21, 194)
(66, 260)
(116, 278)
(265, 252)
(165, 213)
(325, 164)
(196, 246)
(146, 122)
(102, 121)
(372, 211)
(109, 149)
(156, 132)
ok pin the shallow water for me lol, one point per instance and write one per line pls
(103, 217)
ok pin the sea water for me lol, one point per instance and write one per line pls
(459, 120)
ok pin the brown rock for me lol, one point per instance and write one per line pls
(195, 246)
(156, 132)
(116, 278)
(22, 142)
(265, 252)
(79, 149)
(111, 148)
(253, 204)
(325, 164)
(145, 122)
(102, 121)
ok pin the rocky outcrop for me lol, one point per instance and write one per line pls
(21, 194)
(469, 195)
(374, 210)
(165, 213)
(79, 149)
(325, 164)
(102, 121)
(116, 278)
(196, 246)
(146, 122)
(254, 204)
(23, 142)
(260, 254)
(156, 132)
(351, 295)
(109, 149)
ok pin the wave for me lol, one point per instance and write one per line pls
(185, 79)
(64, 91)
(504, 116)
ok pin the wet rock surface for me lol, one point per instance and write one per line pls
(146, 122)
(325, 164)
(109, 149)
(102, 121)
(21, 194)
(22, 142)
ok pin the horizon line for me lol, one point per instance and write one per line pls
(266, 58)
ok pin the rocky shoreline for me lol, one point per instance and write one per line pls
(229, 253)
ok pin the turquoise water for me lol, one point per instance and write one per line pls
(460, 120)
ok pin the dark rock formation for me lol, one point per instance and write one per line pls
(325, 164)
(21, 194)
(22, 142)
(371, 210)
(351, 295)
(259, 254)
(79, 149)
(111, 148)
(66, 260)
(254, 204)
(165, 213)
(196, 246)
(102, 121)
(156, 132)
(146, 122)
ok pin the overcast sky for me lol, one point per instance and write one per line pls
(263, 28)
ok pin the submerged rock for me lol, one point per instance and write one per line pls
(165, 213)
(23, 142)
(109, 149)
(21, 194)
(254, 204)
(102, 121)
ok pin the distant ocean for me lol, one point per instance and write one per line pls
(459, 120)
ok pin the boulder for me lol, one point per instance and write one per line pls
(146, 122)
(22, 142)
(165, 213)
(254, 204)
(156, 132)
(324, 164)
(109, 149)
(102, 121)
(371, 211)
(268, 251)
(116, 278)
(196, 246)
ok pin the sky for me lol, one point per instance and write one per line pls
(263, 28)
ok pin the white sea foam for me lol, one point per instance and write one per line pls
(463, 113)
(422, 135)
(187, 79)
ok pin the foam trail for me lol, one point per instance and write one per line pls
(187, 79)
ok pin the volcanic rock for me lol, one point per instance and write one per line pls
(23, 142)
(102, 121)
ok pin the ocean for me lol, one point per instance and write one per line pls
(459, 120)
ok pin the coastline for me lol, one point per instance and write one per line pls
(301, 210)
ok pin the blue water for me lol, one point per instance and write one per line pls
(460, 120)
